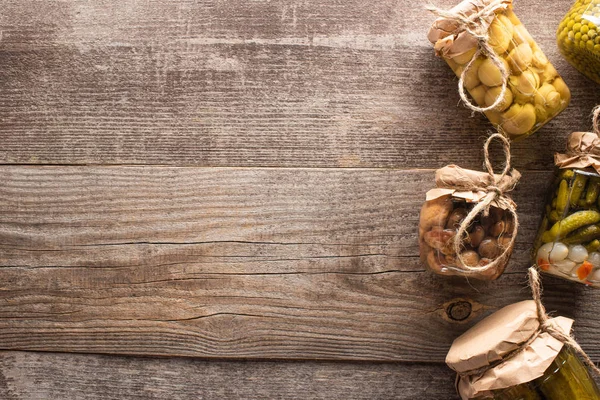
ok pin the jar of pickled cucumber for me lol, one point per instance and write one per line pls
(568, 241)
(578, 37)
(535, 92)
(508, 356)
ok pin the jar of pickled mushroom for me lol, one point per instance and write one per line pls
(568, 241)
(468, 224)
(503, 69)
(510, 356)
(578, 38)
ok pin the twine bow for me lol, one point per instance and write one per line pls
(475, 25)
(496, 190)
(583, 148)
(545, 326)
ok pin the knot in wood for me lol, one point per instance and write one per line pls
(459, 310)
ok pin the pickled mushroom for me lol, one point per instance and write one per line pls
(489, 248)
(562, 89)
(471, 79)
(489, 73)
(525, 85)
(512, 17)
(470, 258)
(495, 117)
(519, 119)
(548, 98)
(520, 57)
(478, 94)
(521, 35)
(464, 58)
(500, 33)
(539, 59)
(548, 73)
(493, 93)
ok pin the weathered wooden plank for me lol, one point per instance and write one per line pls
(45, 376)
(241, 263)
(238, 83)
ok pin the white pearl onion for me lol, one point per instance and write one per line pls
(565, 266)
(559, 252)
(577, 253)
(544, 251)
(594, 259)
(595, 275)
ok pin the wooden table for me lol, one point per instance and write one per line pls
(219, 199)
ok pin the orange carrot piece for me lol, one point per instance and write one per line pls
(584, 270)
(543, 264)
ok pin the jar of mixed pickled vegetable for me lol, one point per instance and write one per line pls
(568, 242)
(509, 356)
(535, 92)
(578, 38)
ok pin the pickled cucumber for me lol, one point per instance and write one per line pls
(592, 246)
(578, 38)
(570, 223)
(566, 378)
(583, 235)
(569, 379)
(592, 192)
(563, 197)
(525, 391)
(577, 189)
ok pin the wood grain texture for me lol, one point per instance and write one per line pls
(238, 83)
(42, 376)
(241, 263)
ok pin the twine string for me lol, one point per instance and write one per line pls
(496, 190)
(475, 25)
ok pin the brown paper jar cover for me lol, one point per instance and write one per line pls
(492, 339)
(535, 91)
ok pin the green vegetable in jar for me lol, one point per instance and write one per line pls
(563, 196)
(578, 38)
(570, 223)
(593, 190)
(585, 234)
(577, 189)
(594, 245)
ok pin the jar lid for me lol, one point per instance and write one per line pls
(513, 329)
(449, 43)
(494, 337)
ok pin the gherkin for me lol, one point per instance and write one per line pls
(578, 38)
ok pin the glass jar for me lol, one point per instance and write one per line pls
(565, 379)
(488, 237)
(535, 92)
(578, 38)
(568, 241)
(510, 355)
